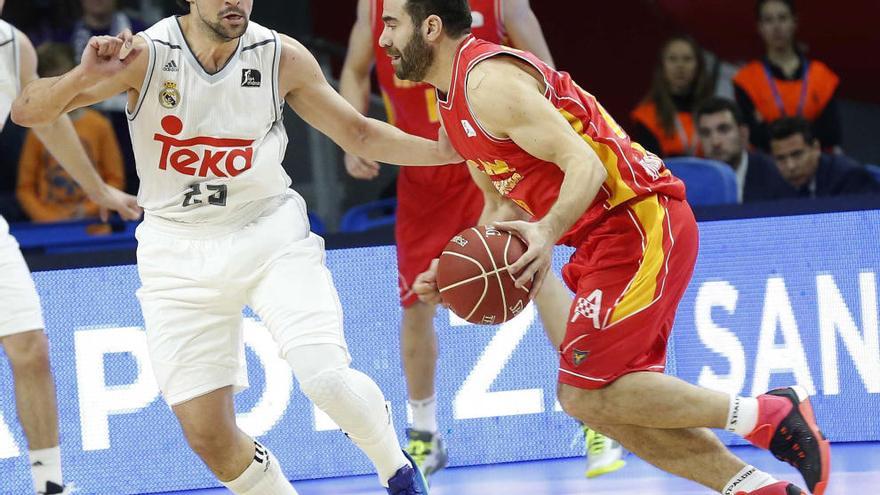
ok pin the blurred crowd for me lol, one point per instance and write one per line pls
(779, 129)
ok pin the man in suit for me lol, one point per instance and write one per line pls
(810, 173)
(725, 137)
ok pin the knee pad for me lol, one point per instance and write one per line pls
(324, 386)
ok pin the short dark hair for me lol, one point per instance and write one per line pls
(183, 4)
(787, 127)
(718, 104)
(759, 6)
(455, 14)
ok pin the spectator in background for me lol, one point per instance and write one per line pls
(786, 83)
(663, 121)
(46, 192)
(808, 171)
(725, 138)
(103, 17)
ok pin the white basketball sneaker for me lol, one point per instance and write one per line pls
(604, 455)
(428, 450)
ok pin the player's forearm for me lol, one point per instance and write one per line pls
(500, 210)
(385, 143)
(526, 34)
(61, 140)
(44, 100)
(579, 188)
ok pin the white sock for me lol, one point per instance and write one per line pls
(424, 414)
(742, 416)
(262, 477)
(383, 449)
(747, 480)
(352, 400)
(45, 467)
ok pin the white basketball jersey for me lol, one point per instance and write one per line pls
(9, 70)
(205, 144)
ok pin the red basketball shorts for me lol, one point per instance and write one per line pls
(433, 204)
(629, 276)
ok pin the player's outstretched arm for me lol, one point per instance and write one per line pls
(525, 30)
(60, 138)
(309, 94)
(354, 82)
(508, 99)
(109, 66)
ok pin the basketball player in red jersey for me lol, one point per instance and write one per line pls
(422, 192)
(544, 143)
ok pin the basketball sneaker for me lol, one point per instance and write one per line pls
(408, 480)
(428, 450)
(604, 455)
(781, 488)
(787, 427)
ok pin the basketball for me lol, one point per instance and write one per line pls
(473, 279)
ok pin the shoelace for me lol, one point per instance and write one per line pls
(793, 454)
(419, 450)
(595, 442)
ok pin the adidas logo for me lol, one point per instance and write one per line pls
(170, 67)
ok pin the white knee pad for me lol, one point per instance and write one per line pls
(349, 397)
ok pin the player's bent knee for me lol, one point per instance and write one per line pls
(324, 386)
(321, 371)
(28, 352)
(210, 443)
(586, 405)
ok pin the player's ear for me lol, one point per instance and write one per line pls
(432, 27)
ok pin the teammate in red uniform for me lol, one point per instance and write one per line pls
(422, 192)
(549, 146)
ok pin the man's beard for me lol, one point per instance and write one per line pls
(415, 60)
(224, 33)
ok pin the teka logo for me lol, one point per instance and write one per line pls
(220, 157)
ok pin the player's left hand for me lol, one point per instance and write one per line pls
(425, 285)
(535, 262)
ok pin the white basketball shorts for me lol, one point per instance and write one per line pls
(19, 303)
(196, 284)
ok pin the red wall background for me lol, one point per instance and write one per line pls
(610, 47)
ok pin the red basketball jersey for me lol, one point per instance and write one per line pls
(412, 107)
(532, 183)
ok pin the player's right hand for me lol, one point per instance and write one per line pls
(109, 198)
(107, 55)
(359, 168)
(425, 285)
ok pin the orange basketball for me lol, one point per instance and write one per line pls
(473, 279)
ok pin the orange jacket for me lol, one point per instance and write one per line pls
(755, 80)
(670, 145)
(46, 191)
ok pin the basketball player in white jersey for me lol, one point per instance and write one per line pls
(223, 229)
(21, 318)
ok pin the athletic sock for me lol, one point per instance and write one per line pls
(46, 467)
(424, 414)
(262, 477)
(747, 480)
(742, 416)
